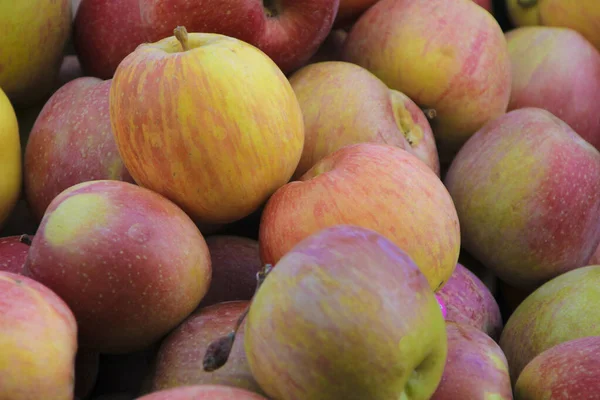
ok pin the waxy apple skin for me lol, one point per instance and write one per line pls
(129, 263)
(169, 146)
(461, 69)
(567, 370)
(527, 194)
(562, 309)
(365, 308)
(375, 186)
(558, 70)
(71, 142)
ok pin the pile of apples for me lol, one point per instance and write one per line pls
(299, 199)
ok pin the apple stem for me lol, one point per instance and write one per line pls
(430, 113)
(527, 3)
(182, 35)
(218, 350)
(25, 239)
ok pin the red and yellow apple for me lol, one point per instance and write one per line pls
(10, 154)
(219, 156)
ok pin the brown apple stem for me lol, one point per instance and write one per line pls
(25, 239)
(218, 350)
(430, 113)
(182, 35)
(527, 3)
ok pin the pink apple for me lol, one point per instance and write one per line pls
(13, 253)
(71, 142)
(203, 392)
(130, 264)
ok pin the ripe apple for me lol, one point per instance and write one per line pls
(203, 392)
(375, 186)
(13, 253)
(580, 15)
(123, 257)
(337, 114)
(346, 314)
(460, 69)
(10, 154)
(558, 70)
(563, 309)
(475, 367)
(527, 194)
(566, 371)
(180, 357)
(235, 261)
(468, 301)
(37, 330)
(32, 39)
(168, 130)
(71, 142)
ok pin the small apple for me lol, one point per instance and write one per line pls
(203, 392)
(123, 257)
(13, 253)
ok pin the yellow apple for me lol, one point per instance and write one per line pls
(10, 157)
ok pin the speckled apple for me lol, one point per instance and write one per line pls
(130, 263)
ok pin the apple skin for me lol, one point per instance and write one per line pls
(71, 142)
(12, 254)
(487, 4)
(558, 70)
(595, 257)
(120, 256)
(581, 16)
(468, 301)
(37, 329)
(568, 370)
(10, 154)
(362, 301)
(263, 128)
(545, 221)
(337, 114)
(375, 186)
(235, 262)
(203, 392)
(563, 309)
(33, 36)
(179, 359)
(475, 367)
(460, 69)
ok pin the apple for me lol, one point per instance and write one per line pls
(123, 257)
(10, 154)
(346, 314)
(468, 301)
(71, 142)
(487, 4)
(475, 367)
(180, 357)
(376, 186)
(337, 114)
(580, 15)
(558, 70)
(459, 69)
(252, 121)
(37, 330)
(442, 305)
(13, 253)
(288, 31)
(203, 392)
(567, 371)
(235, 262)
(527, 194)
(86, 372)
(563, 309)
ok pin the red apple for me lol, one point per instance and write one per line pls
(179, 360)
(346, 314)
(203, 392)
(235, 262)
(130, 264)
(13, 253)
(566, 371)
(595, 257)
(475, 368)
(337, 114)
(468, 301)
(527, 194)
(71, 142)
(450, 56)
(288, 31)
(558, 70)
(375, 186)
(38, 341)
